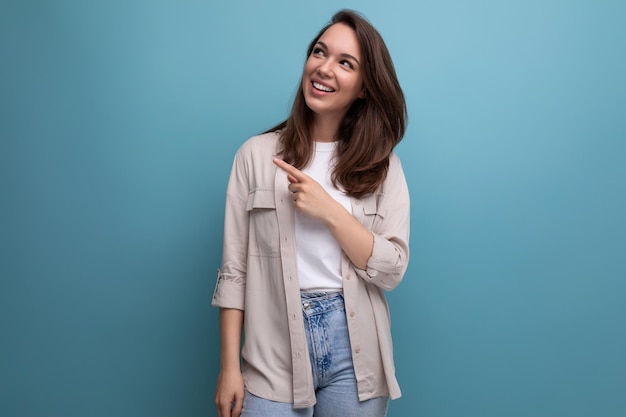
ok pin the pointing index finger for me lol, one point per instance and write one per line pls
(290, 169)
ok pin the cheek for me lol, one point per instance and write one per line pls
(355, 85)
(309, 65)
(304, 78)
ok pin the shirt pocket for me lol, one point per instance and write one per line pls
(373, 213)
(264, 238)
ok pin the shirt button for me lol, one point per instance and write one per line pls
(293, 316)
(348, 276)
(357, 350)
(357, 202)
(352, 314)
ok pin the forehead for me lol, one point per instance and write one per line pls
(342, 38)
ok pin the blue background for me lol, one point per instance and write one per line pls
(118, 124)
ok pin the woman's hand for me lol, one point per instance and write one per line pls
(308, 195)
(229, 393)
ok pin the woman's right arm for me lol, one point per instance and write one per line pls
(230, 388)
(229, 293)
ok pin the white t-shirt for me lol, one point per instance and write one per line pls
(318, 253)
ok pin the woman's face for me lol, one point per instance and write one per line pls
(332, 79)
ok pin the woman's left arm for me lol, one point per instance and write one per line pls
(310, 198)
(388, 216)
(381, 254)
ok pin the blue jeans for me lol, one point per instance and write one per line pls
(331, 361)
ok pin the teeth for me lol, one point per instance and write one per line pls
(322, 87)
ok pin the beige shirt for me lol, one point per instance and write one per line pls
(259, 275)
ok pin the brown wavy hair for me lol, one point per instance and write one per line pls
(372, 127)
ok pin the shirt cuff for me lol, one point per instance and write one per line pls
(228, 294)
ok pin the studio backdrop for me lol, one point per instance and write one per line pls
(119, 121)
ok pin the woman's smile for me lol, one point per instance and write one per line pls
(321, 87)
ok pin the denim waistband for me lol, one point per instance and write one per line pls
(320, 302)
(323, 295)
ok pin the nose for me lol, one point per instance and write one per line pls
(324, 69)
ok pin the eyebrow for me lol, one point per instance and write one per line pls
(344, 55)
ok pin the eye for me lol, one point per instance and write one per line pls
(346, 64)
(317, 51)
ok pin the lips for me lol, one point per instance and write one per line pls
(321, 87)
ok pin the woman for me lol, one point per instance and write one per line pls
(316, 227)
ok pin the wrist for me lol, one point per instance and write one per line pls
(335, 216)
(230, 368)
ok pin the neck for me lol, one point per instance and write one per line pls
(325, 129)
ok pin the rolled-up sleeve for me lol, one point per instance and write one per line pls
(228, 293)
(231, 278)
(390, 228)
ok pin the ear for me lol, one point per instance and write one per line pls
(363, 93)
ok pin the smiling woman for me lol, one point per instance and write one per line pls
(316, 227)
